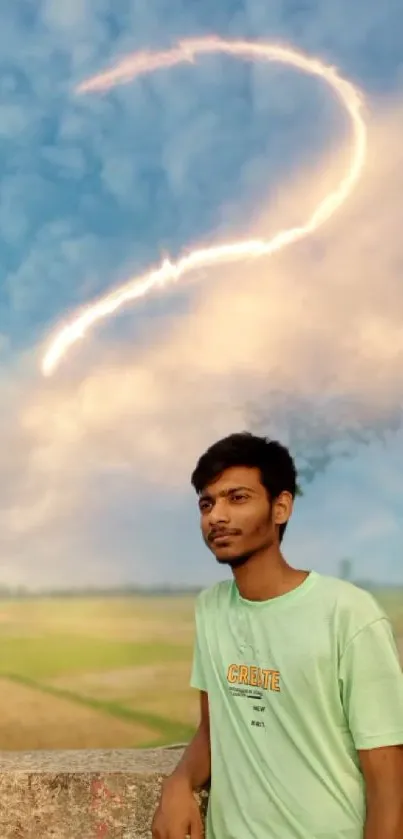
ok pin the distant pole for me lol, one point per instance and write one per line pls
(345, 569)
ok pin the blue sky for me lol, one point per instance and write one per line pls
(308, 345)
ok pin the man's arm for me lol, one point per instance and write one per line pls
(178, 814)
(371, 681)
(195, 765)
(383, 774)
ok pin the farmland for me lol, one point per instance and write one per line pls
(107, 672)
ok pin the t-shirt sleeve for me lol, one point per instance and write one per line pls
(198, 677)
(371, 681)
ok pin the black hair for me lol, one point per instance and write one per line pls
(277, 468)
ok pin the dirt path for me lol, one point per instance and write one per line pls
(31, 719)
(400, 647)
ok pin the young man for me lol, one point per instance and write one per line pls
(301, 726)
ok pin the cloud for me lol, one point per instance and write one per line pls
(307, 344)
(319, 333)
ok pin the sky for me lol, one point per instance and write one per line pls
(305, 346)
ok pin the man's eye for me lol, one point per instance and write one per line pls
(239, 496)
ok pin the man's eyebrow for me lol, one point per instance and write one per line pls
(206, 496)
(237, 488)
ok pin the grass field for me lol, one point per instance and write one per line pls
(96, 673)
(103, 673)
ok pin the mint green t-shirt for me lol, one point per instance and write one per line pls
(296, 684)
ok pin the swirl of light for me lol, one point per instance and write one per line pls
(168, 272)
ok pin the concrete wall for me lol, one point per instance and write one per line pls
(82, 794)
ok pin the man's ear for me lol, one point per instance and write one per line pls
(282, 508)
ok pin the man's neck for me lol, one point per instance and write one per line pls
(266, 576)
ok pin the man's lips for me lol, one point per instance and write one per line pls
(222, 535)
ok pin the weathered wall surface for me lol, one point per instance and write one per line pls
(82, 794)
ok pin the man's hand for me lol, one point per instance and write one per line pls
(177, 815)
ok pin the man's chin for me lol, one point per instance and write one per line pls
(234, 560)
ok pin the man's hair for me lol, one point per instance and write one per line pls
(277, 468)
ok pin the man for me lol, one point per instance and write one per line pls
(301, 726)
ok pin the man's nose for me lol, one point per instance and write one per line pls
(219, 513)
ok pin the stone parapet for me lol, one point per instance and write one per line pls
(83, 794)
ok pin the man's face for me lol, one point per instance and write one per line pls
(237, 518)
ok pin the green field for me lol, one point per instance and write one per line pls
(103, 672)
(392, 602)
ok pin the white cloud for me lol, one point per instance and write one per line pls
(311, 338)
(294, 325)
